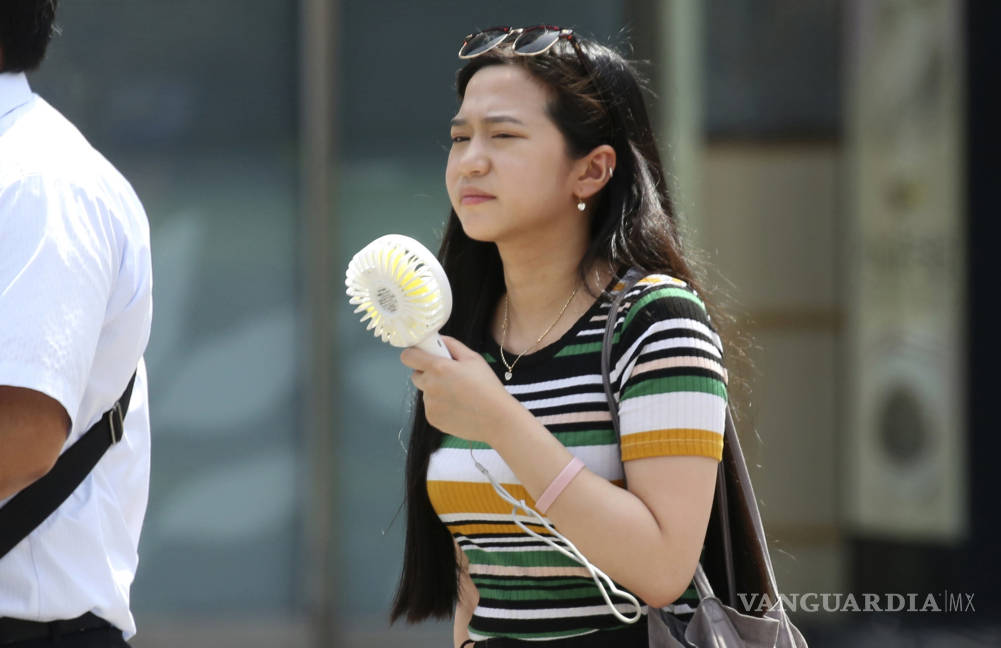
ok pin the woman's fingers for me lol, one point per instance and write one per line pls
(458, 350)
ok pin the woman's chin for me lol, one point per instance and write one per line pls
(479, 230)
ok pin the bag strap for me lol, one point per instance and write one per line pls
(629, 280)
(730, 439)
(32, 505)
(739, 466)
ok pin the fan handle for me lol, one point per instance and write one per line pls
(433, 344)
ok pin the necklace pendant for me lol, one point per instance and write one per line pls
(507, 375)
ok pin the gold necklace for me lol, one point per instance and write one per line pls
(510, 367)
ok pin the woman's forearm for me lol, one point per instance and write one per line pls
(612, 526)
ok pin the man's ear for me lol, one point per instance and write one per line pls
(594, 170)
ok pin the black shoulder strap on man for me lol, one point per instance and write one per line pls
(32, 505)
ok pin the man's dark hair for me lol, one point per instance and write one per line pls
(26, 26)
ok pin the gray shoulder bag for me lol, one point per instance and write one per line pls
(743, 566)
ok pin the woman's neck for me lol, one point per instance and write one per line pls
(540, 277)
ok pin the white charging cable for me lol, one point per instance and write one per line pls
(569, 551)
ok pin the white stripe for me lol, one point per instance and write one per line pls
(562, 383)
(692, 362)
(680, 343)
(587, 397)
(685, 410)
(473, 516)
(551, 613)
(528, 572)
(665, 325)
(512, 540)
(542, 547)
(603, 318)
(475, 636)
(455, 464)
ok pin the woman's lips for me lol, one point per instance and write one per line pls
(475, 199)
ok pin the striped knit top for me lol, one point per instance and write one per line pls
(667, 373)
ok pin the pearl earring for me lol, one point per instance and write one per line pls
(581, 205)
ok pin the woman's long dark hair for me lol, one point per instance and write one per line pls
(633, 224)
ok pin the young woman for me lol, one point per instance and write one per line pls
(556, 190)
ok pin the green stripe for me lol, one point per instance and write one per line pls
(489, 358)
(676, 384)
(529, 582)
(659, 294)
(520, 558)
(584, 347)
(542, 596)
(587, 437)
(450, 441)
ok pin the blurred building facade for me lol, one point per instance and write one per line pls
(820, 164)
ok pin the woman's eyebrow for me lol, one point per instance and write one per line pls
(490, 119)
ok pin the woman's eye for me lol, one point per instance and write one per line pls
(459, 138)
(504, 135)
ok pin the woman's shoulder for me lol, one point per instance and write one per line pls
(660, 305)
(662, 295)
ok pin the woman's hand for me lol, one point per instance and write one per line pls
(462, 397)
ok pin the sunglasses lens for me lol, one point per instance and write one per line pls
(485, 40)
(536, 41)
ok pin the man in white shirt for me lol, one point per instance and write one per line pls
(75, 312)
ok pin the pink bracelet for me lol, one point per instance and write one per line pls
(558, 485)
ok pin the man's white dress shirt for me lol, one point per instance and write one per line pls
(75, 312)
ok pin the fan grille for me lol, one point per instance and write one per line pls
(397, 291)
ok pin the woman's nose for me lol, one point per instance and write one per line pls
(473, 161)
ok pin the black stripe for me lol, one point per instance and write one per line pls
(675, 333)
(531, 542)
(662, 309)
(579, 426)
(491, 522)
(541, 603)
(569, 408)
(671, 372)
(535, 544)
(678, 352)
(515, 587)
(488, 535)
(583, 580)
(567, 624)
(573, 390)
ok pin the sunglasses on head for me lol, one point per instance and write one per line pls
(528, 41)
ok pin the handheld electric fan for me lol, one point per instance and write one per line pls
(403, 291)
(406, 298)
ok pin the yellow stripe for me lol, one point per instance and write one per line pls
(472, 498)
(510, 529)
(660, 443)
(466, 497)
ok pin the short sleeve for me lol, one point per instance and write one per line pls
(56, 273)
(670, 375)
